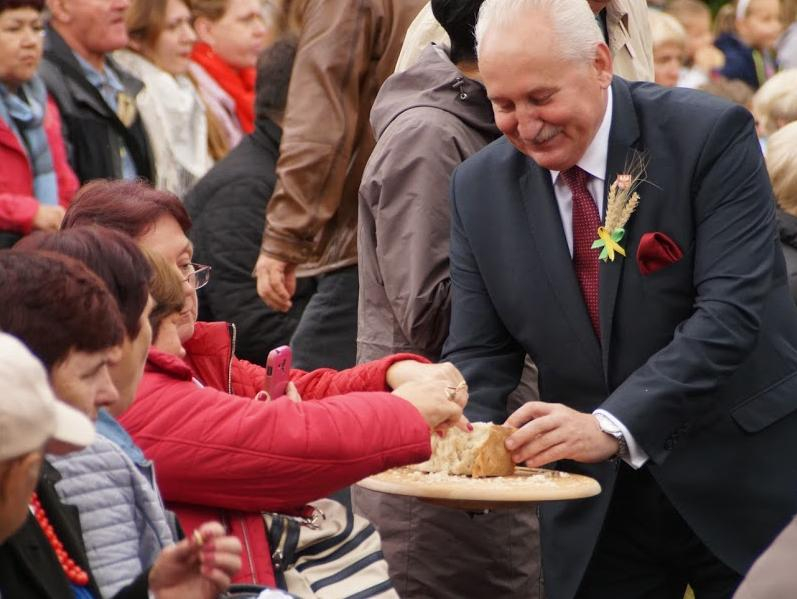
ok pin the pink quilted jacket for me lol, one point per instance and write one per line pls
(226, 456)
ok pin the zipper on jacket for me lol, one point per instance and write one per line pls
(248, 551)
(233, 337)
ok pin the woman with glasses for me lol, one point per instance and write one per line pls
(36, 181)
(220, 450)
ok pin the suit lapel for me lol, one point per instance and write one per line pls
(542, 211)
(624, 133)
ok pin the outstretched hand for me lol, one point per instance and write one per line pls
(550, 432)
(438, 391)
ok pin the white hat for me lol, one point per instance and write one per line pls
(30, 415)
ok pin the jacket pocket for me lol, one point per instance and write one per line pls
(768, 406)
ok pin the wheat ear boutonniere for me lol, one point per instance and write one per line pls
(620, 205)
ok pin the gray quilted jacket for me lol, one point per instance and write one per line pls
(124, 523)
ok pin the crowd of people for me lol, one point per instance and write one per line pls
(576, 218)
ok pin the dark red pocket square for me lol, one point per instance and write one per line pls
(656, 251)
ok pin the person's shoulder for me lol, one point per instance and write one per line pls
(682, 111)
(498, 159)
(246, 168)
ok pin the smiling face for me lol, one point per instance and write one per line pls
(21, 44)
(167, 239)
(83, 380)
(549, 107)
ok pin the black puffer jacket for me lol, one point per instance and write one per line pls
(228, 207)
(94, 135)
(787, 226)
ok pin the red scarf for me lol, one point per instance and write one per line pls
(239, 83)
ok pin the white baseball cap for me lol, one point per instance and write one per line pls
(30, 414)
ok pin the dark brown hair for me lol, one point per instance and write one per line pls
(12, 4)
(132, 207)
(113, 256)
(54, 304)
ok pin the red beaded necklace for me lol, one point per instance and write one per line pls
(74, 573)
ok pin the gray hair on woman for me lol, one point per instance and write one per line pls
(573, 21)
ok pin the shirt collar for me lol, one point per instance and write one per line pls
(98, 79)
(594, 159)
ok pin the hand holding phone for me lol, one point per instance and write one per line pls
(278, 370)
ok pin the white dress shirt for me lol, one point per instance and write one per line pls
(594, 163)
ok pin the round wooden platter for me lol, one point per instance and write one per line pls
(526, 486)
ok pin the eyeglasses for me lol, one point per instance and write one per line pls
(196, 275)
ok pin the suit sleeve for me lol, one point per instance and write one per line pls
(333, 55)
(478, 342)
(734, 254)
(408, 193)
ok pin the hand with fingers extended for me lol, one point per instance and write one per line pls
(200, 566)
(435, 401)
(549, 432)
(276, 282)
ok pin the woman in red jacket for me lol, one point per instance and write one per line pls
(36, 182)
(219, 451)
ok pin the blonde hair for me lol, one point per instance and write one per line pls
(725, 21)
(166, 289)
(665, 29)
(782, 166)
(775, 103)
(574, 24)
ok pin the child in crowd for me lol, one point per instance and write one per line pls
(702, 57)
(749, 51)
(669, 47)
(775, 104)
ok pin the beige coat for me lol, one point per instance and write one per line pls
(626, 20)
(773, 575)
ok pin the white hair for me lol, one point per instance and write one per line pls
(576, 30)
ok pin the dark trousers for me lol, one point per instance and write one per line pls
(647, 551)
(326, 336)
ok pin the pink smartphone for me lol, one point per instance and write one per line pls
(278, 370)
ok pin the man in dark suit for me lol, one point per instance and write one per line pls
(678, 353)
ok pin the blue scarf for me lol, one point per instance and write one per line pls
(24, 113)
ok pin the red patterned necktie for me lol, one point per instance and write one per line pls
(586, 221)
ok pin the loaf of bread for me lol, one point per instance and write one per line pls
(478, 453)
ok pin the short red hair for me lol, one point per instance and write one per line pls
(54, 304)
(132, 207)
(112, 255)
